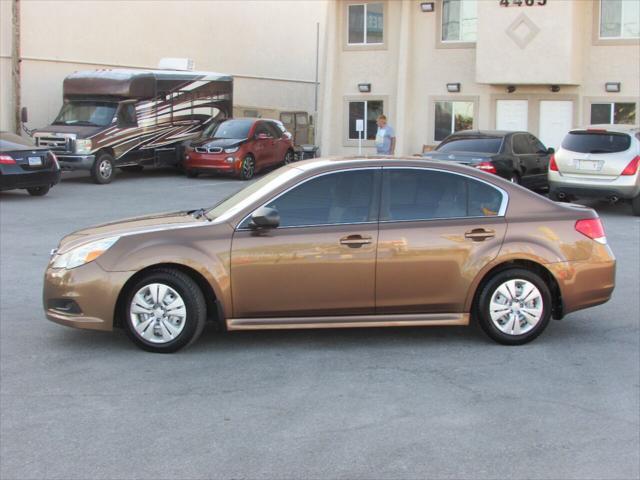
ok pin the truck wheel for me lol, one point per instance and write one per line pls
(102, 170)
(38, 191)
(635, 206)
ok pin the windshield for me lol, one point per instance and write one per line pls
(98, 114)
(232, 129)
(592, 142)
(239, 200)
(475, 145)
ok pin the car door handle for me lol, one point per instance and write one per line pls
(479, 234)
(355, 241)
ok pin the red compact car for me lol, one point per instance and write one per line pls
(241, 147)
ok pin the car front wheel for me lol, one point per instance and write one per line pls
(247, 168)
(165, 311)
(514, 306)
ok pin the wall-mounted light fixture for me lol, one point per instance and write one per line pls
(555, 88)
(364, 87)
(453, 87)
(613, 87)
(511, 88)
(427, 7)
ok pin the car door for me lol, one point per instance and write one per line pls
(278, 144)
(542, 161)
(526, 159)
(262, 145)
(437, 230)
(320, 260)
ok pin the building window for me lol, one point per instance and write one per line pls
(452, 117)
(613, 113)
(459, 20)
(367, 110)
(619, 19)
(366, 24)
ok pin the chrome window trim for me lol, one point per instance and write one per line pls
(238, 229)
(503, 205)
(501, 212)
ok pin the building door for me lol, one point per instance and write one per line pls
(556, 119)
(512, 115)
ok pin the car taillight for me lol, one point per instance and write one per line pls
(632, 168)
(7, 160)
(553, 166)
(592, 228)
(487, 167)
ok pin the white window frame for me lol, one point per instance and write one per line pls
(366, 102)
(612, 110)
(387, 108)
(619, 37)
(459, 41)
(453, 115)
(364, 38)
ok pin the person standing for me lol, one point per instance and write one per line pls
(385, 137)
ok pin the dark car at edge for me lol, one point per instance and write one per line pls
(516, 156)
(26, 166)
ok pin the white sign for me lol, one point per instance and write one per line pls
(360, 125)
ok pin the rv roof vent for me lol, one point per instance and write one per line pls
(175, 64)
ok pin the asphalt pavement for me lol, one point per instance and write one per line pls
(329, 404)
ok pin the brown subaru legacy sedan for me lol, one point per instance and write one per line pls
(326, 243)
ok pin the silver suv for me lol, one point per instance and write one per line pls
(601, 161)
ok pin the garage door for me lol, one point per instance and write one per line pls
(556, 119)
(512, 114)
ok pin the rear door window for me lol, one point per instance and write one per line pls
(521, 145)
(415, 194)
(596, 142)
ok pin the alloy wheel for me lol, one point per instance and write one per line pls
(248, 168)
(105, 168)
(516, 307)
(157, 313)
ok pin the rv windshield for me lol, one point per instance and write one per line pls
(86, 113)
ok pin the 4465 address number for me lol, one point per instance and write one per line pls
(519, 3)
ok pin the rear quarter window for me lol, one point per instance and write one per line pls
(595, 142)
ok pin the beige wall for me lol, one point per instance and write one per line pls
(6, 97)
(563, 52)
(269, 46)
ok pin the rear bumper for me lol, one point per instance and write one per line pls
(75, 162)
(586, 284)
(621, 187)
(28, 179)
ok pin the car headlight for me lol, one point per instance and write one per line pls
(231, 150)
(84, 253)
(83, 146)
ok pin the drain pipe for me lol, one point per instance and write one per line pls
(15, 63)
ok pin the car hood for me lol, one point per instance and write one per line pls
(81, 131)
(459, 157)
(128, 226)
(217, 142)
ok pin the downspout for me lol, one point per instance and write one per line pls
(15, 64)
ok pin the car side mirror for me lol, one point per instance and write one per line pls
(265, 217)
(24, 115)
(551, 150)
(262, 136)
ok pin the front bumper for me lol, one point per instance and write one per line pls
(626, 187)
(70, 161)
(93, 292)
(207, 162)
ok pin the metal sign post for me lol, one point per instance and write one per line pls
(360, 129)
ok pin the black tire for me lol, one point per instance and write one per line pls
(39, 191)
(490, 287)
(247, 168)
(191, 173)
(103, 169)
(132, 168)
(289, 157)
(635, 206)
(195, 306)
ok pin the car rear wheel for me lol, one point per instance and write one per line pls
(514, 306)
(288, 157)
(165, 311)
(39, 191)
(635, 206)
(248, 168)
(103, 170)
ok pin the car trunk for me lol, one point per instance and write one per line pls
(599, 155)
